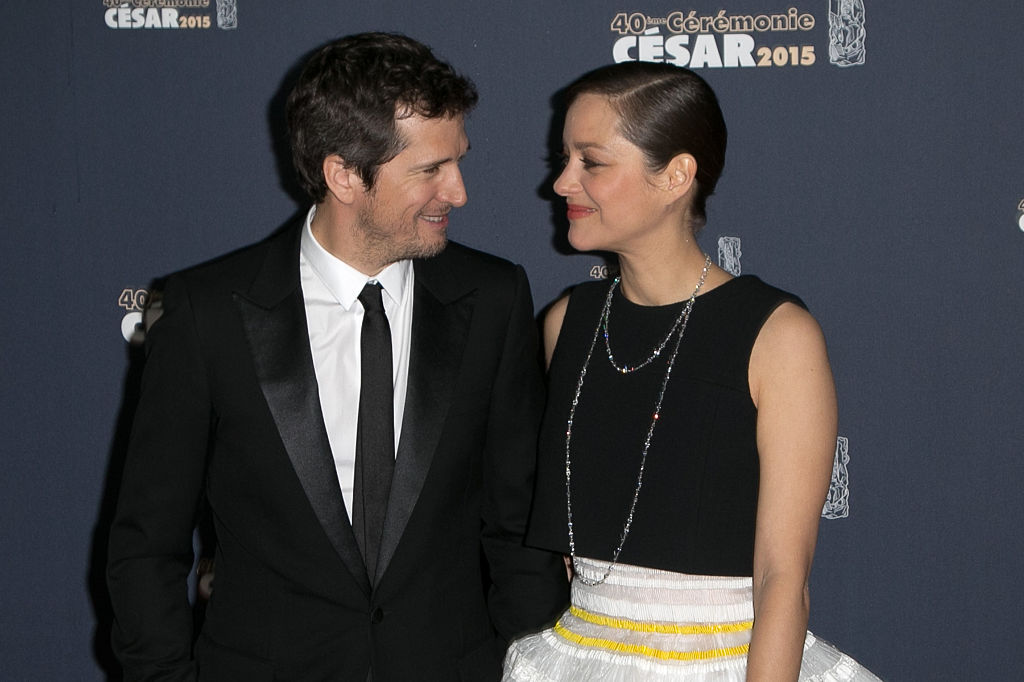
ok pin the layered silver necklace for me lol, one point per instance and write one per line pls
(678, 328)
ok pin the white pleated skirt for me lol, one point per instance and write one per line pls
(647, 624)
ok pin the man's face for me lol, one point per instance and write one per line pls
(405, 215)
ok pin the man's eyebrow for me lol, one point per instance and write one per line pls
(433, 163)
(440, 162)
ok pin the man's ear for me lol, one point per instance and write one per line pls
(342, 181)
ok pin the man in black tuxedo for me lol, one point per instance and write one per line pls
(357, 400)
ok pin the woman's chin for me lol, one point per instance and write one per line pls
(581, 241)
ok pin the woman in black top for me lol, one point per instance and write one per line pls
(691, 424)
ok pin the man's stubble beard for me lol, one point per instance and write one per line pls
(380, 246)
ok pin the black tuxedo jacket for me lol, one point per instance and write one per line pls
(230, 411)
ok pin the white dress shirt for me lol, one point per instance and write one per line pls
(334, 317)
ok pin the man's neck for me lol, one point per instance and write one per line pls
(333, 227)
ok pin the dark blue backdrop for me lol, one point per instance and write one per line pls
(887, 193)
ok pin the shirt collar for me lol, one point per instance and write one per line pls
(345, 282)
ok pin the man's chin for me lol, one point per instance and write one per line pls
(433, 248)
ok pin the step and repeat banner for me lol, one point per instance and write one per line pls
(875, 168)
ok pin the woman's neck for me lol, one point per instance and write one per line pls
(665, 275)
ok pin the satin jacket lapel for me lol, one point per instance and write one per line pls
(439, 328)
(274, 316)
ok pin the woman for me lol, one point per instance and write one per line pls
(688, 443)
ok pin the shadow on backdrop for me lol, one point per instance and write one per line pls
(135, 357)
(546, 191)
(97, 582)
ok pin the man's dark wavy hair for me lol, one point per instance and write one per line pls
(352, 92)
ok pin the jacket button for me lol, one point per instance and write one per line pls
(377, 615)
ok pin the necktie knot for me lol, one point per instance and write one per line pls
(371, 297)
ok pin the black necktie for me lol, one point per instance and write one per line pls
(375, 434)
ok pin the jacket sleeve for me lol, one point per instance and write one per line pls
(528, 586)
(150, 550)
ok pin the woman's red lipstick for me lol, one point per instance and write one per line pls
(576, 211)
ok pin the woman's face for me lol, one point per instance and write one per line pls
(614, 202)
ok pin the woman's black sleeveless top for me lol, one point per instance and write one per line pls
(698, 502)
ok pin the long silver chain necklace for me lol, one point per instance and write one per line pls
(602, 325)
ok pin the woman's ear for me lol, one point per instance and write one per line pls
(680, 174)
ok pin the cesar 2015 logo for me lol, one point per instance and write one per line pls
(783, 38)
(170, 14)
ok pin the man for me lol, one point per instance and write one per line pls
(367, 528)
